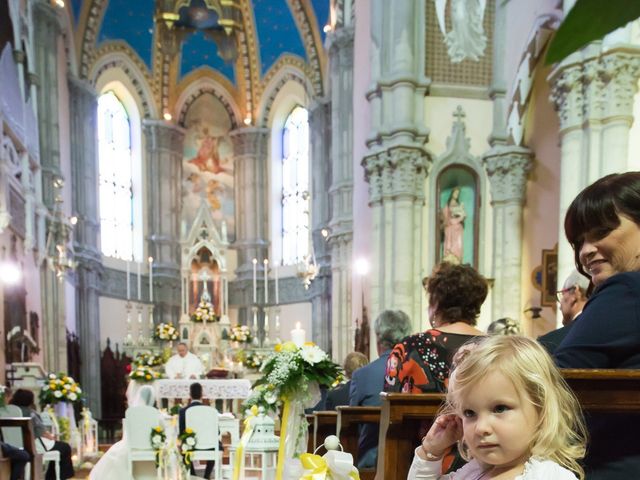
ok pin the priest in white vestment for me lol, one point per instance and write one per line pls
(184, 364)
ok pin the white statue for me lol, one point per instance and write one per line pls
(466, 38)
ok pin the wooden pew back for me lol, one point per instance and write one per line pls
(28, 440)
(349, 419)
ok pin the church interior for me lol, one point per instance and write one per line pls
(235, 174)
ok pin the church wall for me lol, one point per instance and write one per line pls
(113, 321)
(541, 211)
(362, 218)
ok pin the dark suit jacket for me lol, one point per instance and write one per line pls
(182, 415)
(338, 396)
(552, 340)
(366, 384)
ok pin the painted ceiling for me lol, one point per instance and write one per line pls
(276, 31)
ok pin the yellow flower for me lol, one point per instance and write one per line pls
(147, 376)
(52, 385)
(278, 347)
(309, 344)
(289, 347)
(188, 431)
(158, 429)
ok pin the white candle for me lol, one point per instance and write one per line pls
(255, 281)
(139, 282)
(298, 335)
(128, 281)
(266, 280)
(275, 273)
(151, 279)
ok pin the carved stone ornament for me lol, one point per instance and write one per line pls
(507, 168)
(466, 39)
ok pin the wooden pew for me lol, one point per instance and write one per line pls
(349, 419)
(28, 440)
(402, 414)
(324, 424)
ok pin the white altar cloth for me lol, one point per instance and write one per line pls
(214, 389)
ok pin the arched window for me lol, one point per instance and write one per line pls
(116, 185)
(295, 187)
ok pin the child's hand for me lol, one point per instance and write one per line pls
(445, 431)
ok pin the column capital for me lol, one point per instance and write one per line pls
(341, 37)
(250, 140)
(567, 95)
(622, 70)
(81, 87)
(162, 135)
(507, 168)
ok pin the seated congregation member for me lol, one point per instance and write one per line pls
(367, 382)
(340, 395)
(572, 299)
(504, 326)
(195, 394)
(602, 225)
(18, 459)
(45, 441)
(511, 414)
(421, 362)
(114, 464)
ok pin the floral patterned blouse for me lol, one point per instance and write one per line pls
(421, 362)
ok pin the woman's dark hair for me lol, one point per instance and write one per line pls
(596, 209)
(22, 398)
(458, 291)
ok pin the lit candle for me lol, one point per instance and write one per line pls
(151, 279)
(255, 281)
(139, 282)
(298, 335)
(266, 280)
(275, 274)
(128, 281)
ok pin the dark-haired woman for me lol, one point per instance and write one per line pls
(602, 225)
(45, 441)
(421, 362)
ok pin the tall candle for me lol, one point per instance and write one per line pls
(298, 335)
(255, 280)
(139, 282)
(275, 274)
(151, 279)
(266, 280)
(128, 280)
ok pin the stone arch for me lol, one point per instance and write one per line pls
(207, 81)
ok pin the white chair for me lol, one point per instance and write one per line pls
(203, 420)
(13, 436)
(138, 422)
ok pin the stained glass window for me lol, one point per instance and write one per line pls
(295, 187)
(116, 186)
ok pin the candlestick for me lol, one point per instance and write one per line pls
(255, 284)
(266, 280)
(139, 282)
(128, 280)
(298, 335)
(151, 279)
(275, 274)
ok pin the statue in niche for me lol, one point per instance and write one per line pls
(205, 275)
(452, 218)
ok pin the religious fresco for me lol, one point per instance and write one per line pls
(457, 199)
(207, 164)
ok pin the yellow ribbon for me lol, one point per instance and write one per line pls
(319, 468)
(246, 435)
(283, 435)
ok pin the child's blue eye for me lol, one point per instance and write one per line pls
(500, 408)
(468, 413)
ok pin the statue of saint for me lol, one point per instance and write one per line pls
(453, 216)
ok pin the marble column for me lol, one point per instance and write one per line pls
(507, 168)
(84, 176)
(164, 150)
(47, 29)
(320, 148)
(340, 47)
(250, 147)
(396, 164)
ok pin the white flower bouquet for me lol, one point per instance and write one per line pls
(166, 332)
(240, 334)
(60, 388)
(144, 374)
(204, 313)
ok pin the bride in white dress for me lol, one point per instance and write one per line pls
(113, 464)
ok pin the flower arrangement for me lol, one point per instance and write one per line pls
(166, 332)
(254, 360)
(204, 313)
(142, 373)
(157, 438)
(3, 400)
(148, 359)
(240, 334)
(187, 443)
(60, 388)
(264, 396)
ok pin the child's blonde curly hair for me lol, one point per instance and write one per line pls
(560, 434)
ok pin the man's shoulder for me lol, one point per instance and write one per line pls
(378, 365)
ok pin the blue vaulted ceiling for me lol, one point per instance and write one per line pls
(132, 22)
(76, 5)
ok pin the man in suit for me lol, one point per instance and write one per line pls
(340, 395)
(572, 299)
(367, 382)
(195, 394)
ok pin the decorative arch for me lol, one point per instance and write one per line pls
(305, 19)
(117, 61)
(204, 81)
(87, 32)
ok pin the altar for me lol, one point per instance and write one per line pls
(212, 389)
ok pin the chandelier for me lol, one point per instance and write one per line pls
(219, 20)
(59, 256)
(307, 270)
